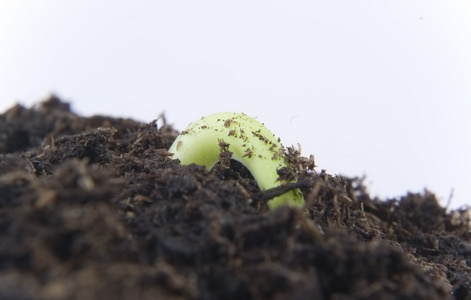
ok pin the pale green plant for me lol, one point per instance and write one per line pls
(246, 140)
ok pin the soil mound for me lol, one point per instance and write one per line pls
(93, 208)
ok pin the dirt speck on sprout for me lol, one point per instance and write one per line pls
(227, 123)
(248, 153)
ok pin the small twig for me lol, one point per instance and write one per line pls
(268, 194)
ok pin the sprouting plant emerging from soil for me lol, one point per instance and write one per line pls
(223, 136)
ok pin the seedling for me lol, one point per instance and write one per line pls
(246, 140)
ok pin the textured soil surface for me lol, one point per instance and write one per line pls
(93, 208)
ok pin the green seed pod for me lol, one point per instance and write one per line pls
(250, 142)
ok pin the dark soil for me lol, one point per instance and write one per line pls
(93, 208)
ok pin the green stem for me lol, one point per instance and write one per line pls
(250, 142)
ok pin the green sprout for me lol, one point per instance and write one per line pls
(246, 140)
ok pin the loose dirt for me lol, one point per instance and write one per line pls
(94, 208)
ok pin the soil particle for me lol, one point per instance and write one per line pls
(94, 208)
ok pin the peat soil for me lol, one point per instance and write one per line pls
(93, 208)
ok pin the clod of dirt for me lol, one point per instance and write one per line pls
(94, 208)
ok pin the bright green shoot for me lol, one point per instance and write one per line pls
(250, 143)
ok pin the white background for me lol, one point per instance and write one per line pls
(375, 88)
